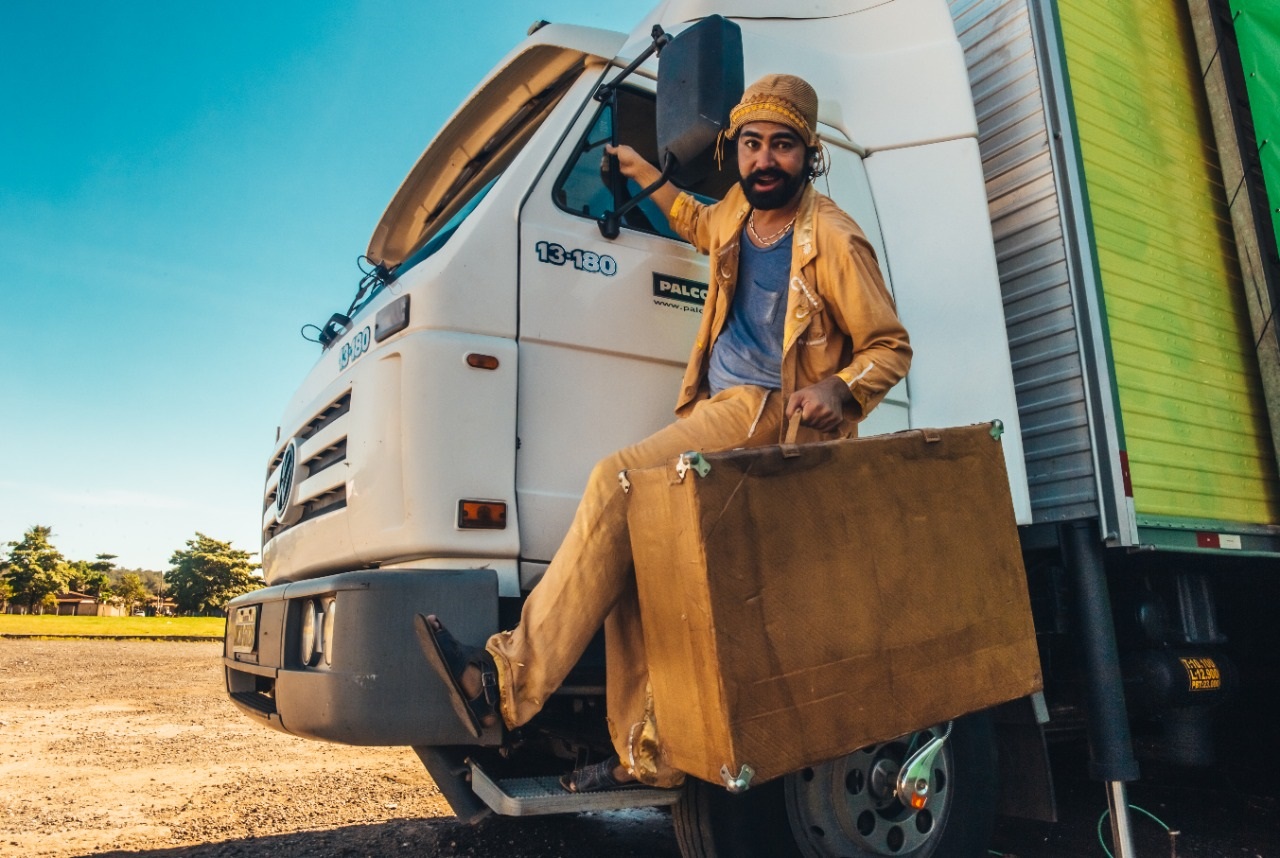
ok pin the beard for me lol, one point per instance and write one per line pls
(776, 197)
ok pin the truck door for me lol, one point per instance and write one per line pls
(605, 327)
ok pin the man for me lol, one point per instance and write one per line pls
(797, 321)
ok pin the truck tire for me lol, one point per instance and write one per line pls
(841, 809)
(711, 822)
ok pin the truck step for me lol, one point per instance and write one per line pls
(534, 796)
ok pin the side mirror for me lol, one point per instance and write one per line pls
(700, 79)
(699, 82)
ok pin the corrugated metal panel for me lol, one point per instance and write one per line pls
(1185, 371)
(1031, 254)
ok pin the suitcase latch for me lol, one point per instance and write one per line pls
(739, 784)
(694, 460)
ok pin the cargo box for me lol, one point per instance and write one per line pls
(801, 602)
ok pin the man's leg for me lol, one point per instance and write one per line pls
(592, 571)
(633, 729)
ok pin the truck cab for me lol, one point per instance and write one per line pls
(500, 345)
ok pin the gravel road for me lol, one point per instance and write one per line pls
(130, 748)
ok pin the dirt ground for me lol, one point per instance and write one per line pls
(130, 745)
(131, 748)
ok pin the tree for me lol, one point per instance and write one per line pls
(131, 592)
(153, 580)
(77, 572)
(209, 573)
(90, 577)
(98, 582)
(35, 568)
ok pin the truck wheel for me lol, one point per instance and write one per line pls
(712, 823)
(845, 808)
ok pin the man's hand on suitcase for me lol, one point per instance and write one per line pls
(821, 405)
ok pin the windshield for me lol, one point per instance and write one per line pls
(464, 161)
(446, 232)
(437, 241)
(473, 149)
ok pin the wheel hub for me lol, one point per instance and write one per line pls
(847, 807)
(884, 776)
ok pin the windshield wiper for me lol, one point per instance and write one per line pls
(374, 279)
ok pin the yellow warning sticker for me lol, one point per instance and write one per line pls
(1202, 674)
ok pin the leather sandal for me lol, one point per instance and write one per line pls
(597, 777)
(450, 659)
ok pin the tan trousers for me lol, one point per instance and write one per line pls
(591, 582)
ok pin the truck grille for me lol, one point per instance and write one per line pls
(314, 487)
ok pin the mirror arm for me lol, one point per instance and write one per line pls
(610, 223)
(660, 41)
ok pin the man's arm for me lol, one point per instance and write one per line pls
(861, 306)
(645, 174)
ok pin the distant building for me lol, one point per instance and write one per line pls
(72, 604)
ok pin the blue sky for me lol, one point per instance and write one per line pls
(182, 187)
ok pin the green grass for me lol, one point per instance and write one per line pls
(136, 627)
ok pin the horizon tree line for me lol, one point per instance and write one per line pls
(201, 579)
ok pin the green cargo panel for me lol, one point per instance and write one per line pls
(1257, 25)
(1189, 394)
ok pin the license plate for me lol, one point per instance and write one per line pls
(246, 629)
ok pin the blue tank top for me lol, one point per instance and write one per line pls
(749, 348)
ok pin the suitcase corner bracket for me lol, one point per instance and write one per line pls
(739, 784)
(694, 461)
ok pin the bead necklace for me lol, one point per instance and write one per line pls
(771, 240)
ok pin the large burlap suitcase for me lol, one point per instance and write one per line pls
(802, 602)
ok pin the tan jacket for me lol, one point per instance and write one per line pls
(840, 317)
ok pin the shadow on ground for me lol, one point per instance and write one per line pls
(633, 834)
(1231, 808)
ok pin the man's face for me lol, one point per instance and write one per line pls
(771, 160)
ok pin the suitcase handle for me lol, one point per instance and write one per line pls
(790, 449)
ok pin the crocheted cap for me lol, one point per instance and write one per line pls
(782, 98)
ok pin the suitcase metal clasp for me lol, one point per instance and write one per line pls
(741, 783)
(694, 460)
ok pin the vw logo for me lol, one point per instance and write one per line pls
(284, 488)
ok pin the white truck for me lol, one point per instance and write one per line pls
(1016, 164)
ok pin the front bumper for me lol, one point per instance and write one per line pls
(373, 687)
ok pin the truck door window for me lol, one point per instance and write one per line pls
(585, 187)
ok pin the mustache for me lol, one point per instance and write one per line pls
(765, 175)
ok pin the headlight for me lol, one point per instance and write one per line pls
(326, 636)
(307, 644)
